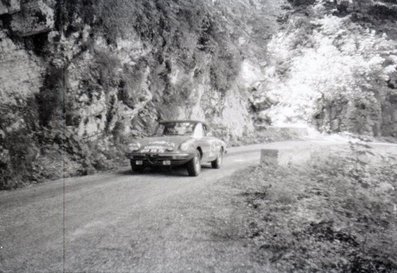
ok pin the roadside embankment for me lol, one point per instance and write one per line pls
(335, 213)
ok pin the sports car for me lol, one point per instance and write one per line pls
(186, 143)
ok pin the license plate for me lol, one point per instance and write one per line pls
(166, 163)
(139, 162)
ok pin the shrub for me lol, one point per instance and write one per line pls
(22, 152)
(107, 65)
(51, 98)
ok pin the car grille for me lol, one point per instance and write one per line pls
(156, 159)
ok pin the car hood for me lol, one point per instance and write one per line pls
(163, 141)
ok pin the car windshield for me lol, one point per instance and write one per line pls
(175, 129)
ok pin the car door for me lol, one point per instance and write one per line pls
(202, 141)
(215, 145)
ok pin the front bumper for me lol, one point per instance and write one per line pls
(159, 159)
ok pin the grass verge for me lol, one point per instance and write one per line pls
(337, 214)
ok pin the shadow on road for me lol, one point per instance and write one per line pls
(161, 171)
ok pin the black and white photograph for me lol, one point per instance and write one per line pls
(198, 136)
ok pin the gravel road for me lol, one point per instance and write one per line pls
(123, 222)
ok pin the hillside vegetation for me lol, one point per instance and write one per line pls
(334, 66)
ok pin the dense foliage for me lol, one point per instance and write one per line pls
(330, 69)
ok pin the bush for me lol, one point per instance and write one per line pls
(22, 152)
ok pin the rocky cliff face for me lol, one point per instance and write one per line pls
(80, 78)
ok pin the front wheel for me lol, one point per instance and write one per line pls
(194, 165)
(217, 163)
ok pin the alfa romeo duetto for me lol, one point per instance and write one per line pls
(186, 143)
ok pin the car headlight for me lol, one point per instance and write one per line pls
(185, 146)
(170, 147)
(133, 147)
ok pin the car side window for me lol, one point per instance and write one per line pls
(204, 130)
(198, 131)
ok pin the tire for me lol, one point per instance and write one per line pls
(217, 163)
(194, 165)
(137, 169)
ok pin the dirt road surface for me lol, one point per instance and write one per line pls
(123, 222)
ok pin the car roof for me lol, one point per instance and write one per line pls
(183, 120)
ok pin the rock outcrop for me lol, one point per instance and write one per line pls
(9, 6)
(21, 73)
(34, 17)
